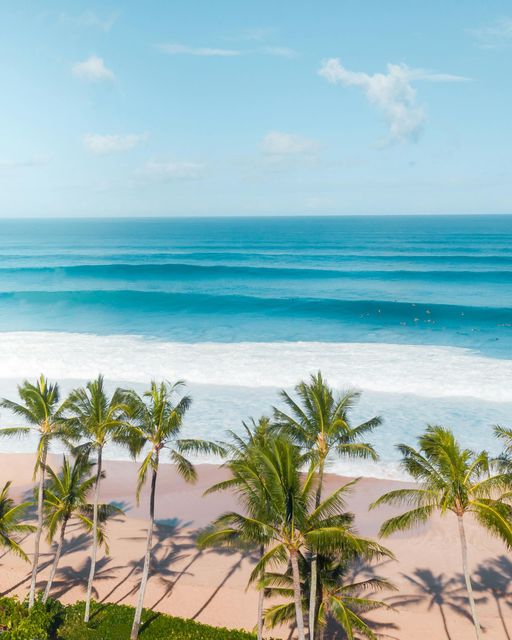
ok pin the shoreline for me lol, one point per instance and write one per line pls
(210, 586)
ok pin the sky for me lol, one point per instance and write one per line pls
(194, 107)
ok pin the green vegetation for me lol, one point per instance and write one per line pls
(55, 621)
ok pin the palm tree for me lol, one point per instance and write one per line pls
(66, 497)
(245, 477)
(11, 515)
(40, 408)
(451, 479)
(319, 422)
(343, 598)
(292, 525)
(157, 422)
(98, 419)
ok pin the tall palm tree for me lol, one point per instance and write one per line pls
(245, 477)
(66, 498)
(11, 526)
(40, 408)
(293, 525)
(157, 419)
(451, 480)
(343, 597)
(97, 419)
(319, 422)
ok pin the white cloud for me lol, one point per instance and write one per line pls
(113, 143)
(495, 35)
(174, 49)
(174, 170)
(92, 69)
(392, 93)
(34, 161)
(280, 52)
(90, 20)
(281, 144)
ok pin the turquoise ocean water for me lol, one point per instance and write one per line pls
(414, 311)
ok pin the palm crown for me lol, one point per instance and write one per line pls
(93, 415)
(40, 408)
(451, 479)
(320, 421)
(67, 496)
(157, 420)
(11, 527)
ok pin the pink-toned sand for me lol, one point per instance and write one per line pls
(211, 586)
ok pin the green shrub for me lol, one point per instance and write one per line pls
(18, 622)
(114, 622)
(54, 621)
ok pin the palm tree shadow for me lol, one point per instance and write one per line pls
(40, 568)
(232, 570)
(170, 542)
(436, 592)
(69, 577)
(494, 576)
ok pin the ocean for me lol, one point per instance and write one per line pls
(415, 311)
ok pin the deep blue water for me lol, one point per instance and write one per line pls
(418, 280)
(344, 295)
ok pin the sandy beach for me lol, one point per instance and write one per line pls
(211, 586)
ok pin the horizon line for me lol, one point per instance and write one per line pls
(252, 216)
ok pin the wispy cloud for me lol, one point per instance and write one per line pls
(93, 69)
(281, 144)
(174, 49)
(23, 163)
(173, 170)
(494, 36)
(280, 52)
(392, 93)
(90, 20)
(112, 143)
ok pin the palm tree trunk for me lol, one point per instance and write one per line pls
(469, 587)
(297, 595)
(56, 559)
(39, 530)
(261, 599)
(147, 559)
(94, 550)
(314, 561)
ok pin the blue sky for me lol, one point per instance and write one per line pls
(244, 108)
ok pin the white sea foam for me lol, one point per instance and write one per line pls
(425, 371)
(408, 385)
